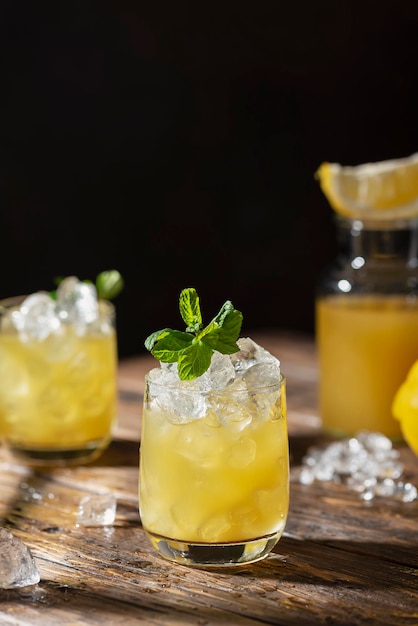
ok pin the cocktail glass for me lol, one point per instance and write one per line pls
(214, 463)
(57, 375)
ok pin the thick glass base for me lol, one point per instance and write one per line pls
(50, 457)
(214, 554)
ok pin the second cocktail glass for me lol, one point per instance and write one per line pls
(58, 364)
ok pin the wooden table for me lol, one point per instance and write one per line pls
(341, 560)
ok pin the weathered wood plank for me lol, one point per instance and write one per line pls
(342, 561)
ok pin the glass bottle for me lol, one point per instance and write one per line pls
(367, 324)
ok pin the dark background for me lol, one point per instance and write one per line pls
(177, 142)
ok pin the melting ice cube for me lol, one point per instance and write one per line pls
(220, 373)
(36, 318)
(97, 510)
(77, 301)
(17, 565)
(250, 354)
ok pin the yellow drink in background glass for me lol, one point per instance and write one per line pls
(366, 345)
(215, 490)
(58, 393)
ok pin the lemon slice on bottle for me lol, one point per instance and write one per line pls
(405, 408)
(381, 190)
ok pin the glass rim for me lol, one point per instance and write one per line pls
(187, 387)
(11, 301)
(106, 308)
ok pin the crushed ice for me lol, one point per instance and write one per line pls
(251, 367)
(40, 316)
(367, 463)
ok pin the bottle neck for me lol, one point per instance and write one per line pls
(383, 242)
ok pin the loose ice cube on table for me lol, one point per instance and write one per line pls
(97, 510)
(17, 565)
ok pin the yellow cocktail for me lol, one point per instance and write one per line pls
(214, 482)
(58, 392)
(366, 345)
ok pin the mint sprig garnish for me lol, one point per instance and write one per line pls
(108, 284)
(192, 349)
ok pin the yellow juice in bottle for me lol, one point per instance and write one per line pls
(366, 345)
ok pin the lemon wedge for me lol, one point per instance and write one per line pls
(405, 408)
(381, 190)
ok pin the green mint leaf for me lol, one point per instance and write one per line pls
(194, 361)
(151, 340)
(208, 330)
(222, 333)
(190, 310)
(168, 344)
(221, 343)
(109, 284)
(193, 349)
(226, 309)
(228, 332)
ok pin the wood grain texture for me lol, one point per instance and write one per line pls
(341, 561)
